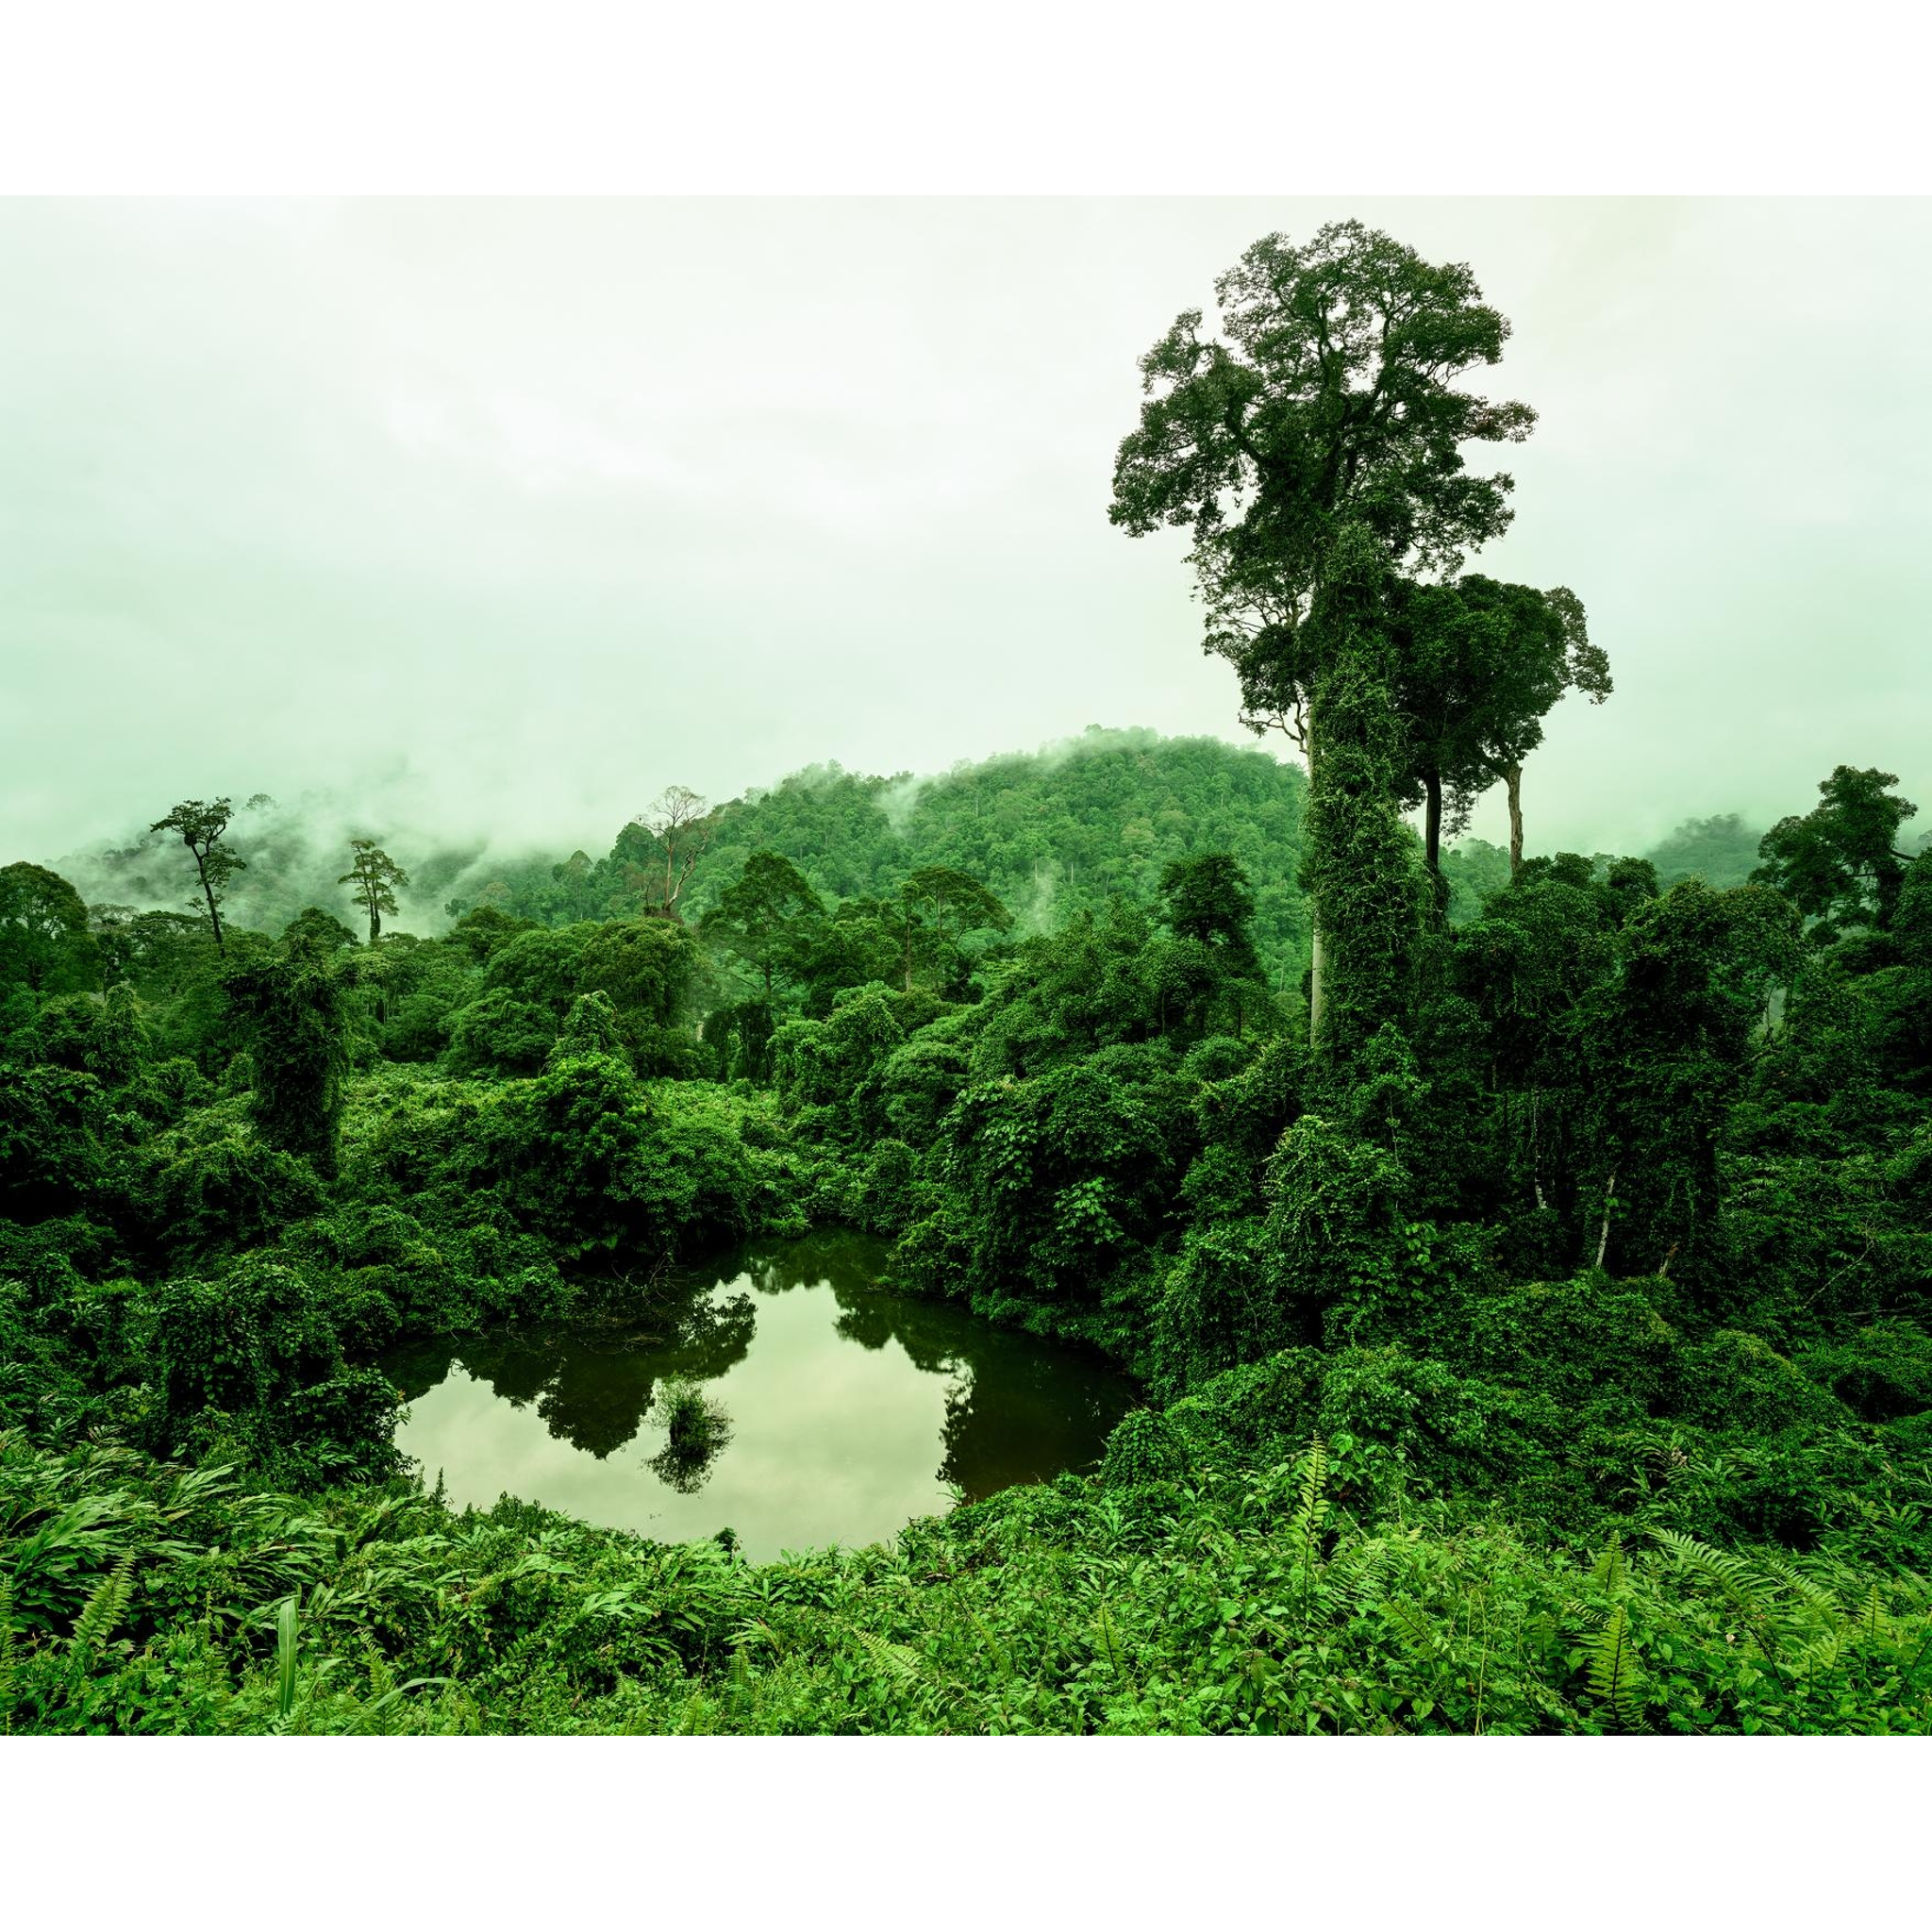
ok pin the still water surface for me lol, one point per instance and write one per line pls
(851, 1409)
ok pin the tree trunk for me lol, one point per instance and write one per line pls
(1315, 986)
(215, 917)
(1514, 775)
(1315, 973)
(1432, 849)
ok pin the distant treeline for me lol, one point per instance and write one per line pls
(1051, 833)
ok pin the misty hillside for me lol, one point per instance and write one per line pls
(1052, 833)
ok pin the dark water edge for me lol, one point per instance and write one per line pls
(846, 1409)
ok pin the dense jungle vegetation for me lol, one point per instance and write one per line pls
(1527, 1258)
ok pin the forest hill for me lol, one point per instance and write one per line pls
(1531, 1295)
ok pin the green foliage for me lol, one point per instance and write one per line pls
(55, 1130)
(1839, 864)
(215, 1188)
(1370, 894)
(202, 829)
(292, 1009)
(375, 876)
(644, 968)
(1268, 419)
(44, 942)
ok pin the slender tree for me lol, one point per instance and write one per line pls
(681, 823)
(1476, 666)
(1329, 399)
(374, 876)
(202, 827)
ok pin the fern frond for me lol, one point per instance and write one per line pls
(1418, 1631)
(1313, 1509)
(1734, 1577)
(1614, 1674)
(104, 1609)
(6, 1654)
(1001, 1657)
(897, 1661)
(1823, 1654)
(1871, 1624)
(1106, 1638)
(1357, 1582)
(1612, 1568)
(1814, 1597)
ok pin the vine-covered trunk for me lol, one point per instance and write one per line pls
(1368, 896)
(1316, 963)
(215, 917)
(1514, 776)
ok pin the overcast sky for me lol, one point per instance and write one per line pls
(504, 515)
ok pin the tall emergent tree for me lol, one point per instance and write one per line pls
(681, 822)
(1370, 896)
(1327, 400)
(374, 876)
(201, 828)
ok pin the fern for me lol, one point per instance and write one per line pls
(1873, 1624)
(896, 1661)
(1106, 1640)
(105, 1607)
(6, 1654)
(1615, 1676)
(1312, 1512)
(1612, 1568)
(1733, 1577)
(1416, 1629)
(1814, 1597)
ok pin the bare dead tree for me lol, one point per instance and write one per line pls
(682, 824)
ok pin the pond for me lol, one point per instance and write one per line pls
(847, 1409)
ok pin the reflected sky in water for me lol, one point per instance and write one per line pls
(851, 1409)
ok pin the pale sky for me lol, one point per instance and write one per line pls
(503, 515)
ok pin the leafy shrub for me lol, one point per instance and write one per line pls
(1144, 1448)
(1883, 1373)
(227, 1191)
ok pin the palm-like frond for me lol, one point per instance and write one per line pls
(1615, 1676)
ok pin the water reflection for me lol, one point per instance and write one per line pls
(851, 1409)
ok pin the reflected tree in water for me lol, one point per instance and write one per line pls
(591, 1394)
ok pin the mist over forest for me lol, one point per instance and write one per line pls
(1047, 848)
(1153, 1235)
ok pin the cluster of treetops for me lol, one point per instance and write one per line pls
(1608, 1199)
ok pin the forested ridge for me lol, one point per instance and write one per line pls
(1526, 1258)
